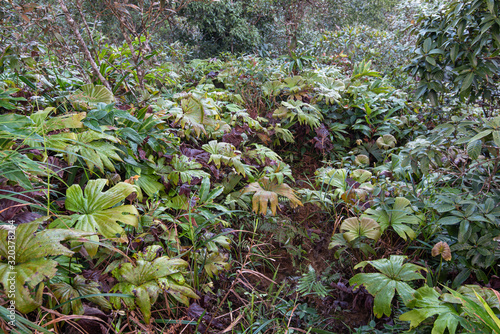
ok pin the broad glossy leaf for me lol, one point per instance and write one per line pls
(95, 211)
(449, 220)
(427, 45)
(467, 82)
(397, 218)
(428, 304)
(496, 137)
(481, 135)
(474, 149)
(392, 276)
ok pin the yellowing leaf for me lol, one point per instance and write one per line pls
(147, 278)
(31, 266)
(79, 287)
(214, 263)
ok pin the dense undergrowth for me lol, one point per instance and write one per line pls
(308, 193)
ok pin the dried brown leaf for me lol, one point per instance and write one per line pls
(442, 248)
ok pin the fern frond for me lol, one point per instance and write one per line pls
(310, 284)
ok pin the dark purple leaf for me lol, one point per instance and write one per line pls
(352, 183)
(168, 157)
(494, 282)
(322, 131)
(386, 174)
(185, 190)
(57, 165)
(142, 154)
(214, 171)
(13, 201)
(26, 217)
(199, 155)
(212, 75)
(90, 325)
(195, 181)
(195, 312)
(234, 137)
(121, 106)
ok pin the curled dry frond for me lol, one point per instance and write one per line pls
(268, 191)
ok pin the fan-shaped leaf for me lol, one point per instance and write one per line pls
(360, 227)
(362, 160)
(89, 95)
(386, 142)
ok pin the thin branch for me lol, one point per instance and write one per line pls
(82, 44)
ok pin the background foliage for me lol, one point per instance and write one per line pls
(234, 166)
